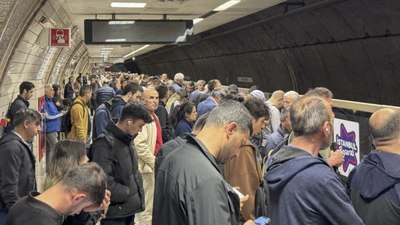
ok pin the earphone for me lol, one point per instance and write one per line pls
(129, 123)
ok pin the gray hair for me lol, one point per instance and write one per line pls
(47, 86)
(308, 114)
(218, 92)
(88, 178)
(201, 82)
(320, 92)
(291, 93)
(231, 111)
(179, 76)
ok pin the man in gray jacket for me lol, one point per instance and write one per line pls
(189, 186)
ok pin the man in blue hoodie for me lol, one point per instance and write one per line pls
(303, 189)
(375, 183)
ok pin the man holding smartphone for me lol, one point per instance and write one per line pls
(189, 186)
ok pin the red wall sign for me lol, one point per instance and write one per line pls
(60, 37)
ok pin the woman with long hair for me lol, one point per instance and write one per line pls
(183, 117)
(67, 154)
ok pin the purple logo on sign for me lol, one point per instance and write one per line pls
(347, 143)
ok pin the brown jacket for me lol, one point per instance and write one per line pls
(245, 172)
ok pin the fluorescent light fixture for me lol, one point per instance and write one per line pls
(226, 5)
(120, 22)
(137, 50)
(116, 40)
(106, 49)
(197, 20)
(127, 5)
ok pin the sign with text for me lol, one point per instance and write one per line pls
(347, 139)
(60, 37)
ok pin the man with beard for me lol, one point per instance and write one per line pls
(302, 188)
(189, 186)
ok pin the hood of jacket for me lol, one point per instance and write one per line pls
(378, 172)
(286, 163)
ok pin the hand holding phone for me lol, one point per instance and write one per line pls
(238, 193)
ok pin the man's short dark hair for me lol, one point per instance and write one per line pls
(257, 108)
(136, 111)
(162, 90)
(85, 89)
(26, 114)
(26, 85)
(211, 84)
(88, 178)
(132, 87)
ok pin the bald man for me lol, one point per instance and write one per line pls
(375, 183)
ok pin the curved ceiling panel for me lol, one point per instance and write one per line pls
(347, 46)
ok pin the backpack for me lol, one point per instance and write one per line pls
(66, 123)
(105, 107)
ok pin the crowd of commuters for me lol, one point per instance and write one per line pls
(124, 149)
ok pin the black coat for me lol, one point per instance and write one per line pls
(165, 122)
(113, 151)
(17, 170)
(190, 189)
(69, 91)
(16, 105)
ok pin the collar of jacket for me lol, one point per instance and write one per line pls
(194, 141)
(118, 133)
(23, 100)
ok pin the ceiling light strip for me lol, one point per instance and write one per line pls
(127, 5)
(137, 50)
(226, 5)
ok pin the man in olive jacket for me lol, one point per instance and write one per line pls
(113, 151)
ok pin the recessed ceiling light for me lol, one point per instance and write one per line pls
(226, 5)
(137, 50)
(120, 22)
(116, 40)
(127, 5)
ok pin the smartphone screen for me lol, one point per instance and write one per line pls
(262, 220)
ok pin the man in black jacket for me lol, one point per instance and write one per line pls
(189, 186)
(26, 89)
(17, 162)
(162, 114)
(69, 90)
(375, 183)
(113, 151)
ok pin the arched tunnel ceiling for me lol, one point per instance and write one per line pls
(350, 46)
